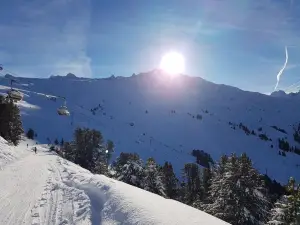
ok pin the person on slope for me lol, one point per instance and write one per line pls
(35, 150)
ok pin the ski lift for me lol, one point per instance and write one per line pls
(14, 94)
(63, 110)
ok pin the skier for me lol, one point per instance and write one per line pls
(35, 150)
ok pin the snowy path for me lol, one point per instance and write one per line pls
(22, 182)
(32, 192)
(44, 189)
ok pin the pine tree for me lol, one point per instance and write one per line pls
(206, 183)
(102, 158)
(223, 200)
(52, 148)
(237, 193)
(69, 151)
(170, 181)
(206, 180)
(56, 142)
(253, 193)
(16, 125)
(110, 149)
(87, 150)
(101, 166)
(87, 144)
(279, 214)
(192, 183)
(10, 121)
(30, 134)
(153, 178)
(62, 142)
(129, 169)
(294, 200)
(286, 210)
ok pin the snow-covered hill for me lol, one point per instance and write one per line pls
(43, 188)
(167, 117)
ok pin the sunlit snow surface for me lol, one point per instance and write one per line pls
(136, 113)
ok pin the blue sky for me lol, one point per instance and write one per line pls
(235, 42)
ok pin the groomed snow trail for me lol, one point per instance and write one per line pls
(22, 182)
(32, 192)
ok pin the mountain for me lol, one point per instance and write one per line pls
(43, 188)
(281, 94)
(166, 117)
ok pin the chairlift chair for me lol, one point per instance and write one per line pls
(15, 95)
(63, 110)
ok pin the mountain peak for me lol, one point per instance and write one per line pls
(68, 76)
(279, 93)
(71, 75)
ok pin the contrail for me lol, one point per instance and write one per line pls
(281, 71)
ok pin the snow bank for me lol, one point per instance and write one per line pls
(9, 153)
(114, 202)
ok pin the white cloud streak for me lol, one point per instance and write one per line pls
(282, 69)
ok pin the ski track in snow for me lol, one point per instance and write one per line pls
(32, 192)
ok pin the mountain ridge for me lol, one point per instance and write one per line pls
(167, 117)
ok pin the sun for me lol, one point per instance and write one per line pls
(172, 63)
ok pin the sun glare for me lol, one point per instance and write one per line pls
(172, 63)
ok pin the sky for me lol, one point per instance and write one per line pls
(235, 42)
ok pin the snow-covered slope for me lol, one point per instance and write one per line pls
(43, 188)
(10, 153)
(155, 115)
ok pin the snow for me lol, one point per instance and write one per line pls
(43, 188)
(10, 153)
(161, 134)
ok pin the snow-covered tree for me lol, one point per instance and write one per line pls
(87, 150)
(87, 144)
(206, 180)
(110, 149)
(253, 193)
(129, 169)
(223, 197)
(192, 187)
(206, 183)
(237, 194)
(153, 178)
(132, 173)
(286, 210)
(102, 158)
(294, 202)
(279, 213)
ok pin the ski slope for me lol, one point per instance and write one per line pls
(42, 188)
(156, 116)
